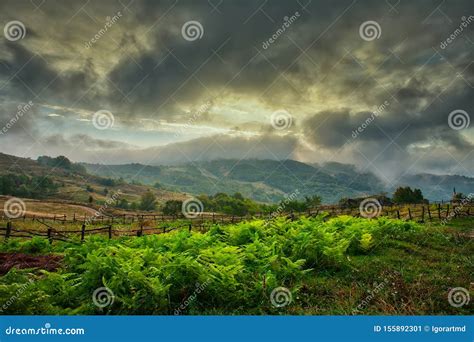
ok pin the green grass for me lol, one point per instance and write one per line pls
(340, 266)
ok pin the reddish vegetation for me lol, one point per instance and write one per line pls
(20, 260)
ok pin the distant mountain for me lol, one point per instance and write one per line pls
(270, 180)
(439, 187)
(262, 180)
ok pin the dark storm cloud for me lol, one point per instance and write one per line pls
(30, 76)
(319, 69)
(173, 69)
(334, 129)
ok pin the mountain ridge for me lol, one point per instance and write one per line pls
(268, 180)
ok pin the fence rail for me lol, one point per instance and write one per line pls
(419, 213)
(225, 218)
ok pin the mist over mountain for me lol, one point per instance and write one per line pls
(272, 180)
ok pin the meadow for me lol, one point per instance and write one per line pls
(318, 265)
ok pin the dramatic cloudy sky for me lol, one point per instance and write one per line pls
(233, 91)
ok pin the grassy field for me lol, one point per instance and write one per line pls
(339, 266)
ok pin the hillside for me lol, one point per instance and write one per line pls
(261, 180)
(76, 186)
(269, 180)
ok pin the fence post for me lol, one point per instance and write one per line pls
(190, 227)
(50, 235)
(8, 231)
(423, 214)
(447, 210)
(439, 211)
(110, 231)
(409, 213)
(429, 213)
(164, 229)
(83, 232)
(398, 214)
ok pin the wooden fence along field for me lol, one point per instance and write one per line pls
(104, 225)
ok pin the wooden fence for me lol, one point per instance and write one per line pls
(397, 211)
(419, 213)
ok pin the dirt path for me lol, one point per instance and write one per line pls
(20, 260)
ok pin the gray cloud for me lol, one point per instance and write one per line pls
(319, 69)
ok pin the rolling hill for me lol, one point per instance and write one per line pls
(261, 180)
(270, 180)
(74, 185)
